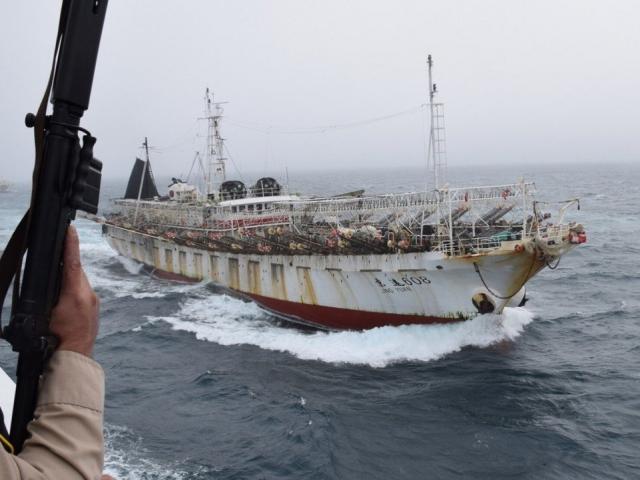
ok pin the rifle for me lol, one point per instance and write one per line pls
(66, 178)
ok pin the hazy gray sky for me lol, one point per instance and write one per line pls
(522, 81)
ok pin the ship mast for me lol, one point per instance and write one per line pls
(437, 154)
(215, 146)
(144, 171)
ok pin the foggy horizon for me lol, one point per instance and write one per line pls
(522, 84)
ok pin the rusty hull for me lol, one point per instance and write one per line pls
(405, 287)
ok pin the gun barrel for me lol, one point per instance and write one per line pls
(79, 52)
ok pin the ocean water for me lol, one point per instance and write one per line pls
(201, 385)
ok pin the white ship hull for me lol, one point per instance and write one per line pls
(345, 291)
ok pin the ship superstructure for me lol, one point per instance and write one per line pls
(351, 261)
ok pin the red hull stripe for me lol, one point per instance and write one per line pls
(341, 318)
(320, 316)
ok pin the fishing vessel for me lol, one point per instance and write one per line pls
(5, 185)
(352, 261)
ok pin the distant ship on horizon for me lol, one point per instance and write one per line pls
(353, 261)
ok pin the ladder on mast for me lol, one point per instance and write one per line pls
(439, 145)
(437, 154)
(437, 159)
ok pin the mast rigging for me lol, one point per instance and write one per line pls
(216, 161)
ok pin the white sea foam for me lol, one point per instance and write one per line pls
(228, 321)
(97, 256)
(130, 265)
(146, 294)
(98, 260)
(126, 459)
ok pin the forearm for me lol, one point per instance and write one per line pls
(66, 435)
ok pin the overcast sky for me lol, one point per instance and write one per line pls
(522, 81)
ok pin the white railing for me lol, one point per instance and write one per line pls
(469, 246)
(449, 210)
(555, 232)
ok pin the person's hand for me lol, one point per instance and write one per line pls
(74, 320)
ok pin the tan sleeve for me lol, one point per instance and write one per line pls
(66, 435)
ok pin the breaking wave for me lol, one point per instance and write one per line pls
(126, 459)
(117, 276)
(229, 321)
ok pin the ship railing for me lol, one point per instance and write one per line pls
(193, 222)
(265, 192)
(246, 222)
(556, 232)
(308, 206)
(469, 246)
(298, 211)
(407, 200)
(491, 192)
(313, 206)
(220, 227)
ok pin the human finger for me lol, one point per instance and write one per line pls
(72, 267)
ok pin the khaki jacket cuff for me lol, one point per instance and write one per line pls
(72, 379)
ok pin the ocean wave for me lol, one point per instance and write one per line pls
(571, 277)
(113, 275)
(126, 459)
(130, 265)
(229, 321)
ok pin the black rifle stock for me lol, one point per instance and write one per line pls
(66, 179)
